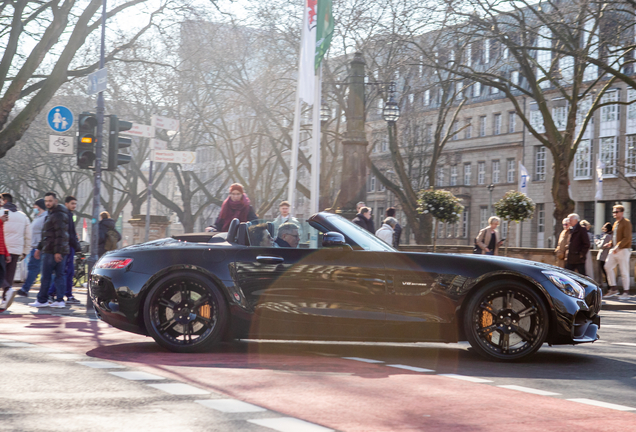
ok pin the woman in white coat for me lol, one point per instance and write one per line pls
(385, 233)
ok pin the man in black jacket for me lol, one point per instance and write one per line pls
(70, 202)
(578, 246)
(53, 250)
(106, 224)
(363, 219)
(397, 229)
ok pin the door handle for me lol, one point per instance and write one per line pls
(270, 259)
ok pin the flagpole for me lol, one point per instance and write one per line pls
(293, 164)
(315, 157)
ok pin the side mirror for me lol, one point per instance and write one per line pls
(333, 239)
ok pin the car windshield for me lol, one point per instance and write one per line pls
(359, 235)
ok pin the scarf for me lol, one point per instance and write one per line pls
(11, 207)
(234, 209)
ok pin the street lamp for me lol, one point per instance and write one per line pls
(391, 111)
(490, 188)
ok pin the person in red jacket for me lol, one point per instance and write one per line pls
(7, 292)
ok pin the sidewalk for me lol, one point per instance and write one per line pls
(20, 305)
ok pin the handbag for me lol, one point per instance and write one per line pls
(477, 250)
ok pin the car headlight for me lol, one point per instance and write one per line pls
(566, 284)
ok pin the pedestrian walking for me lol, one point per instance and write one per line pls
(562, 245)
(488, 239)
(283, 217)
(370, 224)
(363, 219)
(578, 246)
(108, 235)
(70, 202)
(237, 205)
(397, 229)
(5, 257)
(17, 235)
(589, 264)
(53, 250)
(34, 264)
(604, 244)
(619, 253)
(386, 232)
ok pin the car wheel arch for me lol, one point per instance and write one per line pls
(159, 276)
(497, 276)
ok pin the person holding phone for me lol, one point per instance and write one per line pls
(488, 239)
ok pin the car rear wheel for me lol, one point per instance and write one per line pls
(506, 320)
(185, 313)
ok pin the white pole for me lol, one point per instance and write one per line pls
(293, 164)
(315, 148)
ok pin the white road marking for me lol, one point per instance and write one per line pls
(411, 368)
(620, 327)
(17, 344)
(99, 364)
(230, 405)
(529, 390)
(466, 378)
(360, 359)
(624, 343)
(43, 350)
(603, 404)
(179, 389)
(289, 424)
(68, 356)
(137, 376)
(6, 340)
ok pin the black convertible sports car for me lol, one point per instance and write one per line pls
(191, 292)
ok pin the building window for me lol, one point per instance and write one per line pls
(544, 56)
(495, 171)
(440, 229)
(504, 229)
(494, 90)
(514, 77)
(609, 114)
(453, 175)
(476, 89)
(384, 144)
(486, 57)
(512, 120)
(468, 131)
(539, 163)
(536, 119)
(481, 173)
(559, 117)
(540, 218)
(467, 174)
(497, 124)
(583, 160)
(609, 152)
(465, 223)
(483, 217)
(454, 130)
(381, 187)
(427, 97)
(510, 170)
(440, 177)
(459, 93)
(429, 134)
(482, 126)
(372, 183)
(630, 155)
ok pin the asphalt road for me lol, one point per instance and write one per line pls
(46, 384)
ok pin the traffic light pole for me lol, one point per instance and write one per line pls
(97, 175)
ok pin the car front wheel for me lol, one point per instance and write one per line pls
(185, 313)
(506, 320)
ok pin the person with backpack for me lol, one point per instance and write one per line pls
(108, 235)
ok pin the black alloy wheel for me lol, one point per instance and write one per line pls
(185, 313)
(506, 320)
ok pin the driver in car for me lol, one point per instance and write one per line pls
(288, 236)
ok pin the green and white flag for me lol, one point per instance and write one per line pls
(324, 29)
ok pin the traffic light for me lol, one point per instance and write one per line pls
(86, 137)
(115, 142)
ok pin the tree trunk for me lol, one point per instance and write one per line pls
(563, 204)
(435, 237)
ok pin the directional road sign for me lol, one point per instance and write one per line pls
(61, 144)
(157, 144)
(171, 156)
(165, 123)
(97, 81)
(60, 119)
(141, 131)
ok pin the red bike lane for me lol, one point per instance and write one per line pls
(341, 394)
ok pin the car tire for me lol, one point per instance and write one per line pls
(184, 312)
(506, 320)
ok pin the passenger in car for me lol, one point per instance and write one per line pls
(237, 205)
(288, 236)
(259, 236)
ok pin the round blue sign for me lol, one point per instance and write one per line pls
(60, 119)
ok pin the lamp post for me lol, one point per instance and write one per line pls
(490, 188)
